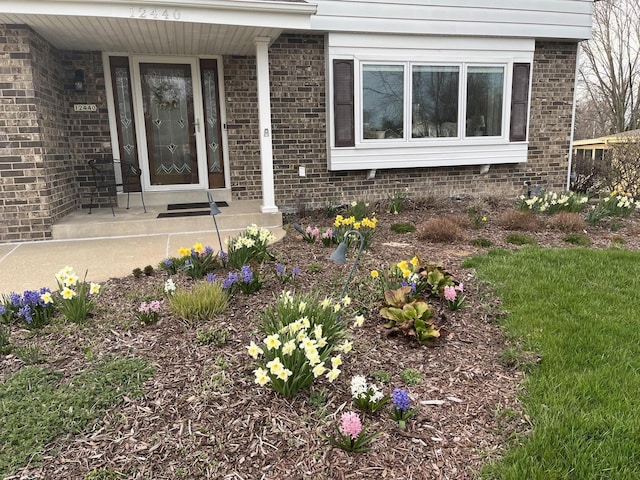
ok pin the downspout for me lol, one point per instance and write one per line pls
(573, 117)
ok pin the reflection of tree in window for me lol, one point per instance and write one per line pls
(484, 101)
(435, 102)
(383, 101)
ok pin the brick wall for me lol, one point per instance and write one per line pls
(297, 64)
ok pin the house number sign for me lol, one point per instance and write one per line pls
(78, 107)
(155, 13)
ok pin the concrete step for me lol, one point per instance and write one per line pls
(134, 221)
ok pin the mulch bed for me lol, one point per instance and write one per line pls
(202, 416)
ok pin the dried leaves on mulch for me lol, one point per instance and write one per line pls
(202, 416)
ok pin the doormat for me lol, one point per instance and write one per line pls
(193, 206)
(196, 213)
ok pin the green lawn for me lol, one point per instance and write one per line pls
(579, 310)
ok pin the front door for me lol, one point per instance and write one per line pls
(168, 115)
(170, 123)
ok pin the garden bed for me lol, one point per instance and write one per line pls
(202, 415)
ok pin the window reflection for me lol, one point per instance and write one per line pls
(484, 101)
(383, 101)
(434, 104)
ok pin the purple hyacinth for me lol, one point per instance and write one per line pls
(230, 281)
(211, 277)
(279, 269)
(400, 399)
(223, 255)
(3, 309)
(25, 312)
(208, 250)
(15, 299)
(296, 271)
(31, 297)
(168, 262)
(247, 274)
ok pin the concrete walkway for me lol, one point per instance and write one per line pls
(32, 265)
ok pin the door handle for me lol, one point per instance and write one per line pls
(196, 126)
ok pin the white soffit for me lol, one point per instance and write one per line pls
(223, 27)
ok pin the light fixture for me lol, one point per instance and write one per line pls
(298, 228)
(215, 210)
(340, 256)
(78, 81)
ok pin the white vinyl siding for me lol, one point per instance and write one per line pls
(459, 142)
(557, 19)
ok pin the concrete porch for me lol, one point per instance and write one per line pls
(135, 222)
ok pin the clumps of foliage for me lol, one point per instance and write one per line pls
(213, 335)
(617, 204)
(203, 302)
(411, 376)
(552, 202)
(301, 338)
(567, 222)
(579, 239)
(403, 228)
(251, 246)
(396, 201)
(520, 239)
(482, 242)
(410, 317)
(443, 229)
(521, 220)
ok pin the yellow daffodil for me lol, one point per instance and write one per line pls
(415, 261)
(319, 370)
(46, 298)
(358, 321)
(302, 306)
(275, 366)
(333, 374)
(317, 331)
(67, 293)
(94, 288)
(184, 252)
(284, 374)
(261, 376)
(346, 301)
(336, 361)
(289, 347)
(357, 225)
(406, 273)
(326, 303)
(198, 247)
(484, 219)
(71, 280)
(254, 350)
(272, 341)
(375, 273)
(403, 265)
(346, 347)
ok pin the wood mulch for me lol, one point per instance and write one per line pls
(202, 416)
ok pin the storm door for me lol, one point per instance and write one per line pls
(212, 122)
(170, 123)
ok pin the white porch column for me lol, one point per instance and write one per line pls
(264, 112)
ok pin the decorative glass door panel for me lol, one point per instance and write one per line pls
(167, 97)
(212, 124)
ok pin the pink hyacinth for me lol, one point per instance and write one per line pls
(460, 287)
(350, 424)
(450, 293)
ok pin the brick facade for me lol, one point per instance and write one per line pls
(44, 144)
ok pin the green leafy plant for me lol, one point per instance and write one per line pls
(5, 342)
(251, 246)
(351, 434)
(552, 202)
(579, 239)
(367, 397)
(315, 268)
(482, 242)
(403, 228)
(477, 217)
(148, 270)
(617, 204)
(137, 272)
(396, 201)
(301, 336)
(520, 239)
(381, 376)
(29, 354)
(358, 209)
(411, 376)
(75, 297)
(411, 318)
(203, 302)
(214, 335)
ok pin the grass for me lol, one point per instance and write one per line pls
(520, 239)
(582, 398)
(36, 406)
(403, 228)
(203, 302)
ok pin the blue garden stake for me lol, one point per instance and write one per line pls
(340, 256)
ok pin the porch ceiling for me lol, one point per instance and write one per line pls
(171, 27)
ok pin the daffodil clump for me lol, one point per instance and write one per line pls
(617, 204)
(251, 246)
(196, 261)
(403, 273)
(304, 339)
(551, 202)
(76, 296)
(366, 226)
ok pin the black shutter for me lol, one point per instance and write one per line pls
(343, 113)
(519, 102)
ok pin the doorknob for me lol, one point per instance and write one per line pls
(196, 126)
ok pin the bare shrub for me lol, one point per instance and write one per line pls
(567, 222)
(443, 229)
(526, 221)
(428, 201)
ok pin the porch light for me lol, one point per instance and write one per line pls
(340, 256)
(78, 82)
(215, 210)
